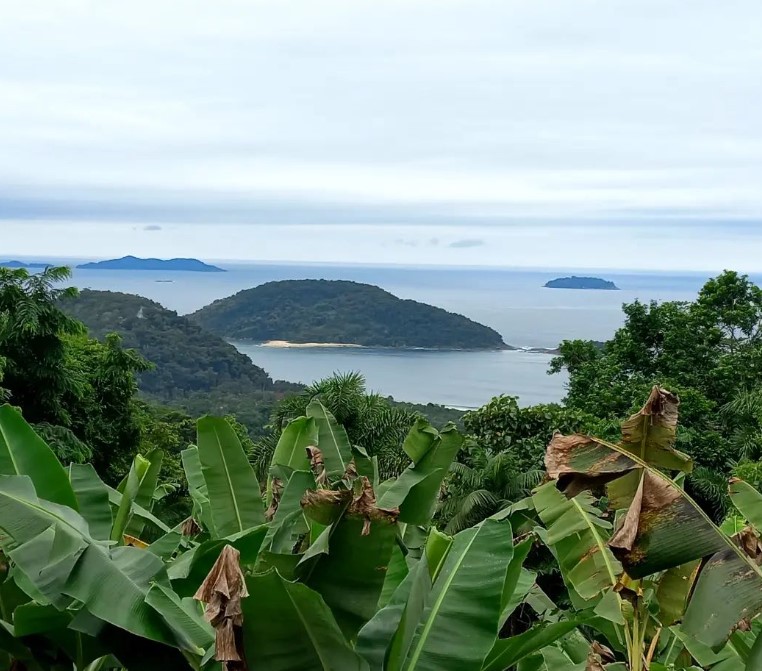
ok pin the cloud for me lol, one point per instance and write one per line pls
(152, 227)
(502, 114)
(466, 243)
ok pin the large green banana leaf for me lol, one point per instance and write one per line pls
(51, 546)
(288, 626)
(332, 440)
(92, 499)
(351, 574)
(115, 500)
(578, 537)
(291, 450)
(748, 501)
(144, 496)
(518, 581)
(137, 493)
(456, 631)
(23, 452)
(288, 518)
(395, 574)
(197, 489)
(234, 496)
(510, 651)
(416, 491)
(375, 638)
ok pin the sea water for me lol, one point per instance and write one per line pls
(513, 302)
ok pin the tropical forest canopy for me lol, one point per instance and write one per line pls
(337, 311)
(617, 531)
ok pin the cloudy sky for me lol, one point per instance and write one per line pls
(509, 132)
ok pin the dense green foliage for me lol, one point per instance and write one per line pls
(330, 568)
(81, 391)
(373, 424)
(709, 351)
(186, 358)
(331, 311)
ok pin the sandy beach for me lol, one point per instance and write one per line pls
(285, 344)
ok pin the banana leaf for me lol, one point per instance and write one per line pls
(416, 491)
(395, 574)
(332, 440)
(375, 638)
(650, 433)
(518, 581)
(350, 576)
(234, 496)
(145, 494)
(748, 501)
(23, 452)
(291, 450)
(197, 489)
(129, 488)
(477, 562)
(288, 516)
(188, 571)
(51, 545)
(288, 626)
(551, 658)
(578, 537)
(510, 651)
(92, 499)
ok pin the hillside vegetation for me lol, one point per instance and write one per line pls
(338, 311)
(186, 358)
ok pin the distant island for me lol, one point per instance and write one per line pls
(23, 264)
(341, 312)
(134, 263)
(575, 282)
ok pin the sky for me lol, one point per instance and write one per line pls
(542, 133)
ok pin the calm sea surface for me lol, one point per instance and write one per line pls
(512, 302)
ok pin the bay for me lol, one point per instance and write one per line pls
(514, 302)
(457, 379)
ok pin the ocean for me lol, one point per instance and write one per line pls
(513, 302)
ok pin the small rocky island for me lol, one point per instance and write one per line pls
(575, 282)
(135, 263)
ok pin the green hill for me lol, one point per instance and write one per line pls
(339, 311)
(187, 358)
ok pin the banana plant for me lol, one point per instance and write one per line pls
(74, 594)
(650, 569)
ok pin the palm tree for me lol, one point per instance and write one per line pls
(32, 347)
(485, 485)
(370, 420)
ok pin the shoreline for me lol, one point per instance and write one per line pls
(286, 344)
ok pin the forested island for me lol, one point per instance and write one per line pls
(339, 311)
(135, 263)
(23, 264)
(575, 282)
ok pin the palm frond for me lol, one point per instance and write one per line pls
(473, 508)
